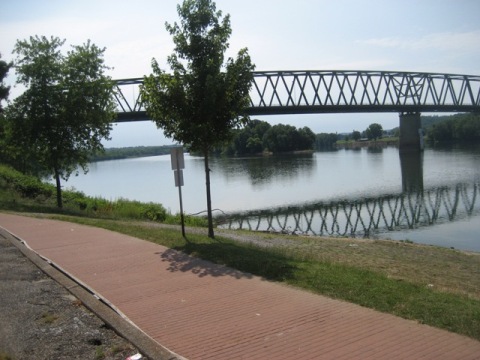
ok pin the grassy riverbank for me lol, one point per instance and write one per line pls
(19, 192)
(379, 143)
(431, 285)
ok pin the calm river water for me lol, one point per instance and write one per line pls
(432, 198)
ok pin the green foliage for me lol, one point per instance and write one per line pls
(19, 192)
(65, 111)
(249, 139)
(196, 221)
(4, 90)
(259, 136)
(463, 127)
(121, 208)
(154, 212)
(205, 98)
(429, 121)
(374, 131)
(325, 141)
(26, 186)
(284, 138)
(356, 135)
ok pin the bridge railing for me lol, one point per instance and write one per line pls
(296, 92)
(357, 91)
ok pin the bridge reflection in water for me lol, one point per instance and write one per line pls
(414, 208)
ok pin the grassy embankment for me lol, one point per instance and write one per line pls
(435, 286)
(28, 194)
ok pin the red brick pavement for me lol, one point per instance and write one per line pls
(205, 311)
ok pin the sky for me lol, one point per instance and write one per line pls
(392, 35)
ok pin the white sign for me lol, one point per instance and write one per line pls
(177, 159)
(178, 177)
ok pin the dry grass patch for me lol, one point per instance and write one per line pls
(443, 269)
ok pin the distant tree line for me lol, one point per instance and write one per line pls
(131, 152)
(456, 128)
(259, 136)
(328, 141)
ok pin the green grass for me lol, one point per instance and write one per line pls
(435, 286)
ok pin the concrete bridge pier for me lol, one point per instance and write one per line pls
(411, 134)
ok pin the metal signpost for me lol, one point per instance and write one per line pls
(178, 164)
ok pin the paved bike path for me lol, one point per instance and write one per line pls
(200, 310)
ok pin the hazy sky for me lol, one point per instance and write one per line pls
(398, 35)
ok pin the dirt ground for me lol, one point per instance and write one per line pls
(40, 319)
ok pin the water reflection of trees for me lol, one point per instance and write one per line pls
(261, 170)
(367, 216)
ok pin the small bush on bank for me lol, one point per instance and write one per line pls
(121, 208)
(196, 221)
(154, 212)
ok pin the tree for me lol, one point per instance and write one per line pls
(374, 131)
(248, 140)
(325, 141)
(4, 90)
(461, 127)
(356, 135)
(67, 108)
(203, 99)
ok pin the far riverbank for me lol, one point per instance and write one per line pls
(380, 143)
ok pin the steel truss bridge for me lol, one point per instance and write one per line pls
(308, 92)
(365, 217)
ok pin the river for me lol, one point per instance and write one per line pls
(431, 198)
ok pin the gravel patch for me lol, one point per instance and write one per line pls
(40, 319)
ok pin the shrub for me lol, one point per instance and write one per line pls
(31, 187)
(26, 185)
(154, 212)
(77, 198)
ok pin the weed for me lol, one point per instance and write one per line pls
(49, 318)
(100, 353)
(4, 356)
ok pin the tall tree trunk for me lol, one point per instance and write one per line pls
(209, 199)
(59, 189)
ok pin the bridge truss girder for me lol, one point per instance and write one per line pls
(307, 92)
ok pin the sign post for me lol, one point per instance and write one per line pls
(178, 164)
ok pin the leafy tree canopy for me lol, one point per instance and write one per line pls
(458, 128)
(324, 141)
(374, 131)
(356, 135)
(259, 136)
(204, 97)
(4, 90)
(66, 109)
